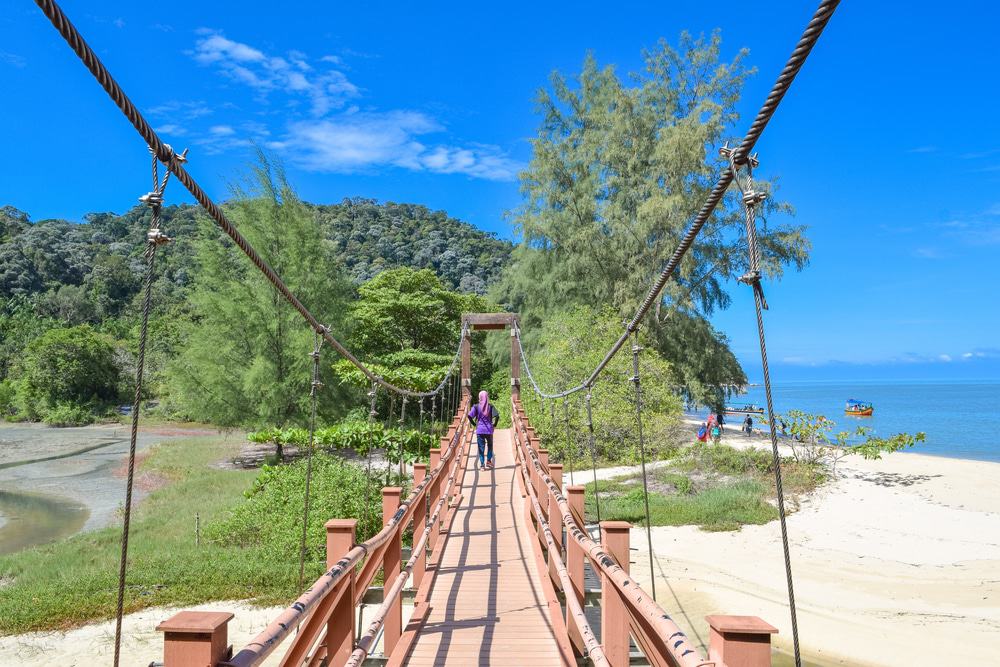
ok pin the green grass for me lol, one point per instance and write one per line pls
(75, 581)
(725, 507)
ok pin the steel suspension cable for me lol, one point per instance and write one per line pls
(751, 200)
(593, 455)
(154, 239)
(174, 163)
(402, 430)
(314, 388)
(807, 41)
(642, 454)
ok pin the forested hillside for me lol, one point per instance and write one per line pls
(86, 272)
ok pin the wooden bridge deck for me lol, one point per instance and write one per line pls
(487, 605)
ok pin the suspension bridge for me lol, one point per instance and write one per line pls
(503, 567)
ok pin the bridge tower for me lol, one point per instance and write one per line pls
(490, 322)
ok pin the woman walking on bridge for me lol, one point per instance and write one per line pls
(484, 417)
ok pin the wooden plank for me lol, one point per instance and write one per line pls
(487, 602)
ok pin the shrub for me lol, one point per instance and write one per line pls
(68, 414)
(359, 436)
(69, 365)
(271, 516)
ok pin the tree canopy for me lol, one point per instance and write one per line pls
(619, 169)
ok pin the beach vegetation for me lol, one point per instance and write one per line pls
(621, 163)
(71, 582)
(569, 346)
(813, 441)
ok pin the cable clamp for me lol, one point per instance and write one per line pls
(156, 237)
(752, 278)
(152, 199)
(753, 197)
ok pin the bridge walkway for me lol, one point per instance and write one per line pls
(487, 603)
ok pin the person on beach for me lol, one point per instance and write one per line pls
(722, 422)
(484, 417)
(716, 434)
(748, 426)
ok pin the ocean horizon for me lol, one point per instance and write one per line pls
(960, 417)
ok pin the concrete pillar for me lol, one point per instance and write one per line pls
(467, 364)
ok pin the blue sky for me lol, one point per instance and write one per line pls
(887, 145)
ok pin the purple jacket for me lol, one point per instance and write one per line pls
(484, 422)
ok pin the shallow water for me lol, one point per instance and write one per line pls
(961, 420)
(31, 519)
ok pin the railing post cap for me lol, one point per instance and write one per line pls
(744, 625)
(418, 466)
(341, 525)
(576, 488)
(392, 490)
(555, 466)
(615, 526)
(195, 622)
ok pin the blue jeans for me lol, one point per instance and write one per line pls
(485, 442)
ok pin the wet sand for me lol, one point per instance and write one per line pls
(50, 478)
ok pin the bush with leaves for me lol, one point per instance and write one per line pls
(74, 366)
(569, 346)
(359, 436)
(812, 440)
(271, 516)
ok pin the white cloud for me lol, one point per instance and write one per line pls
(174, 110)
(172, 129)
(332, 136)
(923, 149)
(12, 59)
(268, 74)
(358, 141)
(944, 357)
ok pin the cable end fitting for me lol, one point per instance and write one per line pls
(156, 237)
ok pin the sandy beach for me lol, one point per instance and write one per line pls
(897, 562)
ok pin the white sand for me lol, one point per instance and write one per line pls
(896, 563)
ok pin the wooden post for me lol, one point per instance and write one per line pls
(196, 638)
(419, 523)
(391, 562)
(614, 618)
(740, 641)
(574, 561)
(340, 537)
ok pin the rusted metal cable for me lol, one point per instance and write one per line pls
(784, 81)
(636, 348)
(751, 200)
(154, 238)
(314, 388)
(171, 160)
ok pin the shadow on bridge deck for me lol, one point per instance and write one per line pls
(487, 602)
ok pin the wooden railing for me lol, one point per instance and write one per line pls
(322, 619)
(627, 611)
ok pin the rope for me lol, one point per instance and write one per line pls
(593, 456)
(173, 162)
(802, 50)
(751, 200)
(154, 238)
(314, 388)
(642, 454)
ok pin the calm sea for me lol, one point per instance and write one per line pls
(961, 420)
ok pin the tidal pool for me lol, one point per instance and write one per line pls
(31, 519)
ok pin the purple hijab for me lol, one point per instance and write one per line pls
(481, 413)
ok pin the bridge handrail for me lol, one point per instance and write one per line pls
(261, 646)
(649, 620)
(594, 649)
(367, 641)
